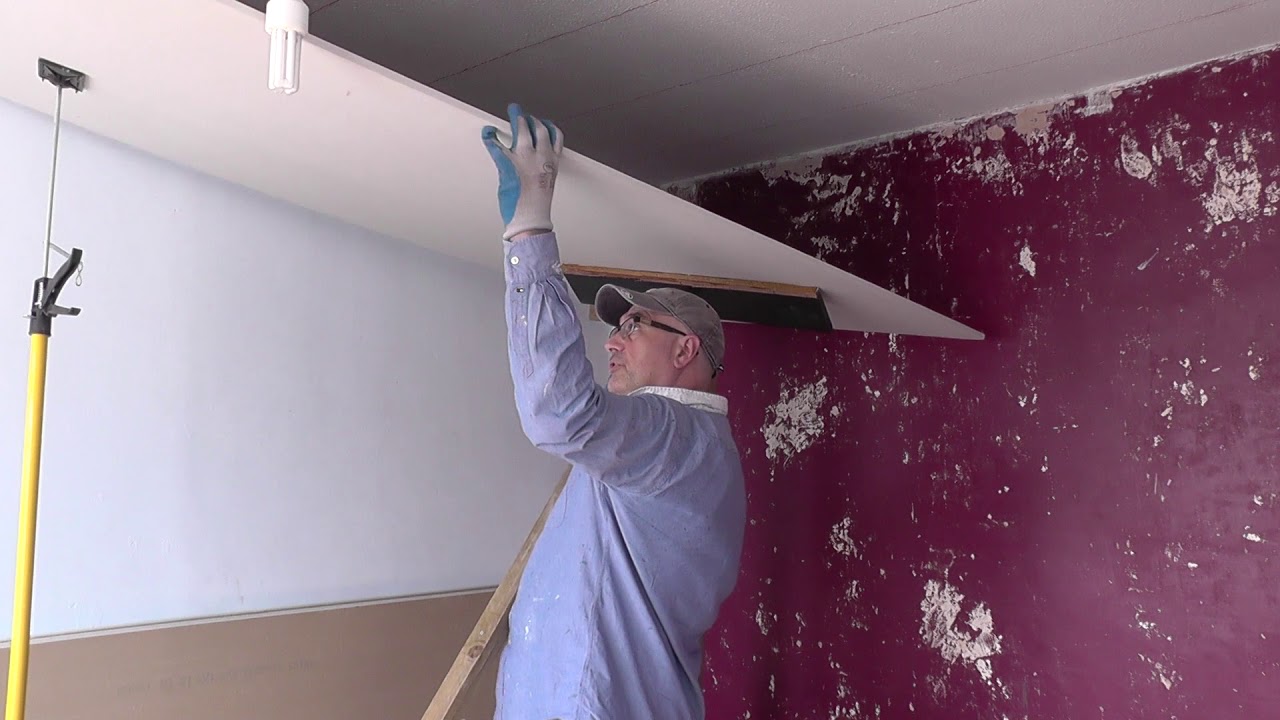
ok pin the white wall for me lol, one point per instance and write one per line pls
(258, 408)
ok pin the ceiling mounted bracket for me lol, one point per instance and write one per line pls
(62, 77)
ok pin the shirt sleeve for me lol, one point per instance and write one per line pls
(619, 440)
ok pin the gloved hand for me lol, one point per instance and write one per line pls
(526, 171)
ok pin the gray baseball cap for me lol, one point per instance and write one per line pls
(613, 301)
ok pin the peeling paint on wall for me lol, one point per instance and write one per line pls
(1132, 158)
(990, 169)
(841, 542)
(1099, 102)
(1103, 471)
(940, 630)
(1027, 260)
(1237, 184)
(1032, 123)
(795, 421)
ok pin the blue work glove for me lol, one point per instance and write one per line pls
(526, 171)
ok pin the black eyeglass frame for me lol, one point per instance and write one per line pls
(640, 320)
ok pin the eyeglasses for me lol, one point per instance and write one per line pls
(629, 326)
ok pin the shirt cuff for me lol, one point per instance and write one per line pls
(531, 259)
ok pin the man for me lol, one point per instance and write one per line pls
(643, 545)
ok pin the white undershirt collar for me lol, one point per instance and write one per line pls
(693, 398)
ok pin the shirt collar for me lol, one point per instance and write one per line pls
(693, 398)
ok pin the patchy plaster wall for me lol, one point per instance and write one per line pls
(1077, 518)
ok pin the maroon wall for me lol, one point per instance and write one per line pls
(1075, 518)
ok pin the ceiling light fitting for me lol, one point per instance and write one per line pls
(288, 22)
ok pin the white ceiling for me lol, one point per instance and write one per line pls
(671, 89)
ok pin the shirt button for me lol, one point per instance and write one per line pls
(515, 260)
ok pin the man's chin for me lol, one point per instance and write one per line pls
(617, 386)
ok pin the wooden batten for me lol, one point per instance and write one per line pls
(744, 301)
(473, 661)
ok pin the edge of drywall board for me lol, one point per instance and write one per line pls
(588, 167)
(234, 617)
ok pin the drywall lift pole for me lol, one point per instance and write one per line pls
(44, 308)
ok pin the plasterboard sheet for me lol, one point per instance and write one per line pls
(186, 81)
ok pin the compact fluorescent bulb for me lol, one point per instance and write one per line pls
(287, 24)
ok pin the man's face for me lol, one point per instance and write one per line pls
(646, 355)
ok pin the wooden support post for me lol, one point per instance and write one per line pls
(481, 643)
(747, 301)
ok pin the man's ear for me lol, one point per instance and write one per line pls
(686, 350)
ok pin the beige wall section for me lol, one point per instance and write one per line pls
(376, 661)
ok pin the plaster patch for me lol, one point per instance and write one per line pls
(853, 591)
(1273, 199)
(1190, 393)
(848, 204)
(842, 685)
(829, 186)
(1171, 149)
(1027, 261)
(1097, 103)
(1133, 160)
(855, 613)
(795, 421)
(1255, 365)
(1148, 627)
(802, 170)
(841, 541)
(765, 620)
(938, 628)
(995, 132)
(1237, 185)
(824, 244)
(802, 219)
(994, 170)
(1253, 537)
(1162, 672)
(1032, 123)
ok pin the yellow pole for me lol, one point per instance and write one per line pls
(15, 706)
(44, 309)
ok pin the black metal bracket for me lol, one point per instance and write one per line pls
(44, 299)
(61, 76)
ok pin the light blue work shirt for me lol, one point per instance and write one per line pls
(643, 545)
